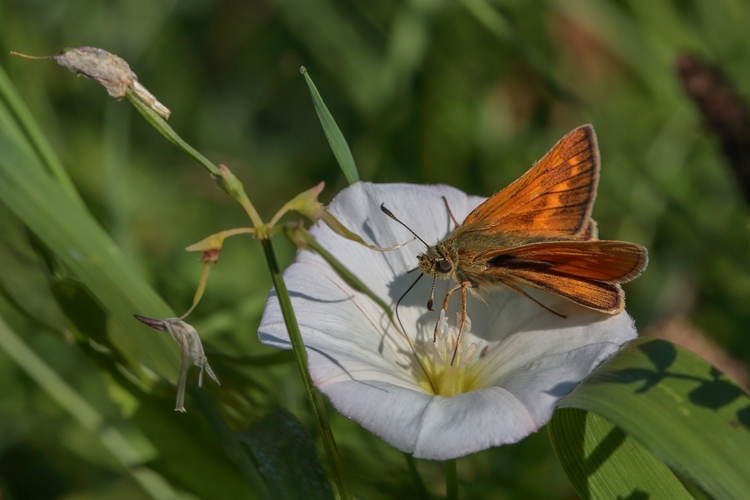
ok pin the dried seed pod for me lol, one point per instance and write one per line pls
(112, 71)
(192, 349)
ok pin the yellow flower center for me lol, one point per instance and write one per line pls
(438, 376)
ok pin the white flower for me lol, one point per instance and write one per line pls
(516, 359)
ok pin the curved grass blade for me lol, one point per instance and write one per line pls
(335, 138)
(603, 462)
(73, 235)
(686, 412)
(28, 125)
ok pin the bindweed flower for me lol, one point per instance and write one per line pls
(515, 362)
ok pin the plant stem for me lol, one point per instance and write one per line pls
(161, 125)
(418, 483)
(451, 480)
(324, 426)
(233, 187)
(230, 185)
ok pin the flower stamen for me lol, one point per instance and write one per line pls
(440, 377)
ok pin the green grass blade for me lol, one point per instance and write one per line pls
(33, 132)
(73, 235)
(603, 462)
(129, 456)
(77, 240)
(335, 138)
(683, 410)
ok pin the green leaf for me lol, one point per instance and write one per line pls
(190, 455)
(682, 409)
(335, 138)
(286, 457)
(603, 462)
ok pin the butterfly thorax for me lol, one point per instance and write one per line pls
(460, 257)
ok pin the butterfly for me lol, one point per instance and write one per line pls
(538, 232)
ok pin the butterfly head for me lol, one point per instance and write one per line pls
(435, 263)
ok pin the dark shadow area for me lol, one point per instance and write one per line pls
(604, 450)
(714, 391)
(636, 495)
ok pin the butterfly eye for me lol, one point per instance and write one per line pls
(444, 266)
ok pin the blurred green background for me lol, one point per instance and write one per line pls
(468, 93)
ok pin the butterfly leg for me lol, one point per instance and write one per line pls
(521, 292)
(464, 318)
(445, 308)
(450, 212)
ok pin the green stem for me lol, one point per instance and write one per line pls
(451, 480)
(324, 426)
(414, 473)
(163, 127)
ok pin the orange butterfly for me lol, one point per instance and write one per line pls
(538, 232)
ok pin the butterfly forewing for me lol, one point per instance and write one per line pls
(552, 200)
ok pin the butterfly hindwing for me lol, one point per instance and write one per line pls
(604, 297)
(586, 272)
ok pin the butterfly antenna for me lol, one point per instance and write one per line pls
(390, 214)
(402, 298)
